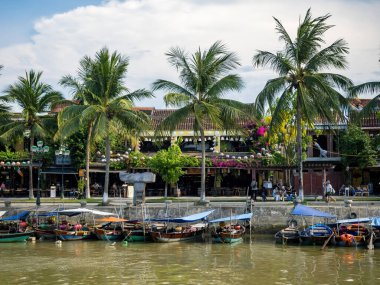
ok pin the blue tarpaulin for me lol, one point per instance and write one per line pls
(20, 216)
(301, 210)
(243, 217)
(187, 219)
(375, 222)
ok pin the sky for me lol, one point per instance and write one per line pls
(53, 35)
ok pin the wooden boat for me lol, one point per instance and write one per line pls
(109, 234)
(15, 237)
(73, 234)
(15, 229)
(230, 233)
(179, 233)
(316, 234)
(288, 235)
(44, 233)
(77, 231)
(352, 232)
(352, 235)
(138, 235)
(112, 230)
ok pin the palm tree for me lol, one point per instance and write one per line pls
(105, 102)
(205, 79)
(35, 98)
(300, 65)
(366, 88)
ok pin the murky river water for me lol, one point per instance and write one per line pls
(255, 261)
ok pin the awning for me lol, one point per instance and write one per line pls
(85, 210)
(20, 216)
(301, 210)
(243, 217)
(187, 219)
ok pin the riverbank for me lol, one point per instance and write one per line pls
(268, 217)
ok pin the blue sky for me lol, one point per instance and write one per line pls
(17, 17)
(53, 35)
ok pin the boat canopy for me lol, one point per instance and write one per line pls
(301, 210)
(20, 216)
(243, 217)
(187, 219)
(85, 210)
(355, 221)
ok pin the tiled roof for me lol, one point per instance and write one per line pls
(158, 115)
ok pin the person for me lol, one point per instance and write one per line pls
(329, 191)
(263, 194)
(114, 189)
(2, 189)
(253, 189)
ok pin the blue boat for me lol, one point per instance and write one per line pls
(179, 234)
(315, 234)
(231, 233)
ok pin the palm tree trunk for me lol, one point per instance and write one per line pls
(299, 148)
(203, 167)
(31, 195)
(88, 150)
(107, 174)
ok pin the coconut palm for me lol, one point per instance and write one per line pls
(205, 79)
(34, 98)
(106, 102)
(368, 88)
(301, 81)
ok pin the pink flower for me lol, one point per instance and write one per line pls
(261, 131)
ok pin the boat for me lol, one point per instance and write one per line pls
(15, 237)
(316, 234)
(16, 230)
(288, 235)
(112, 230)
(180, 233)
(352, 232)
(231, 233)
(67, 232)
(140, 232)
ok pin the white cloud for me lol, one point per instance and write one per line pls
(145, 30)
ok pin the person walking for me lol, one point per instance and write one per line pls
(329, 191)
(253, 189)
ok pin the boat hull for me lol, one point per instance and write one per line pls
(288, 235)
(108, 235)
(14, 237)
(317, 234)
(72, 235)
(168, 237)
(138, 236)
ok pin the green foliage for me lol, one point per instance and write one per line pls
(81, 185)
(10, 155)
(168, 164)
(190, 161)
(356, 148)
(137, 159)
(77, 146)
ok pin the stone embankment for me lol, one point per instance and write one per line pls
(268, 217)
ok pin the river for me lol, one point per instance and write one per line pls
(255, 261)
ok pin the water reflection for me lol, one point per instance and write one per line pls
(256, 261)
